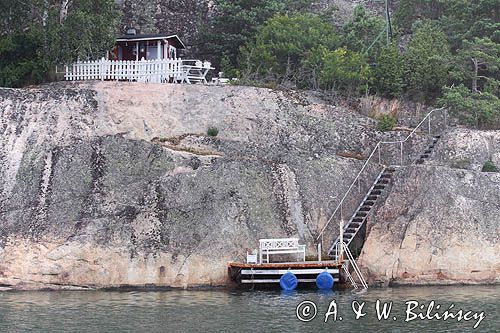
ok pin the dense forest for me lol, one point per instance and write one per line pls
(434, 52)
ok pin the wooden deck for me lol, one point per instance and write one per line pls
(269, 273)
(286, 265)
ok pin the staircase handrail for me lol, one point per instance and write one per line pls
(339, 206)
(354, 265)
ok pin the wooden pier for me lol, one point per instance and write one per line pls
(270, 273)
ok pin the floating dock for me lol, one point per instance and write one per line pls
(270, 273)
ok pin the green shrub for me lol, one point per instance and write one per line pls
(212, 131)
(472, 109)
(389, 72)
(489, 167)
(386, 123)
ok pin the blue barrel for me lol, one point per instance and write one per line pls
(288, 281)
(324, 280)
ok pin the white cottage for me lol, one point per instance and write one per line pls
(133, 46)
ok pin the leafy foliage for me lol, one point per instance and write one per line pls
(489, 166)
(341, 69)
(362, 30)
(212, 131)
(19, 64)
(282, 43)
(477, 62)
(389, 72)
(427, 63)
(386, 123)
(235, 23)
(471, 108)
(52, 34)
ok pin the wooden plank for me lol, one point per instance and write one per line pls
(304, 264)
(278, 281)
(283, 271)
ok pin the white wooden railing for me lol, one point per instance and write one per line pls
(155, 71)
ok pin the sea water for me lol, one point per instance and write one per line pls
(402, 309)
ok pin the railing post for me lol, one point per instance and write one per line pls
(401, 153)
(429, 124)
(341, 239)
(379, 157)
(319, 252)
(341, 212)
(322, 238)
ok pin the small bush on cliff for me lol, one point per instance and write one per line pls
(212, 131)
(489, 167)
(386, 123)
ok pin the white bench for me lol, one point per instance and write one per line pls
(280, 246)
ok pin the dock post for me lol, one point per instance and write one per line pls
(341, 238)
(319, 252)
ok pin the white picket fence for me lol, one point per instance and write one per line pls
(155, 71)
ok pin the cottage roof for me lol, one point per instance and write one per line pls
(174, 39)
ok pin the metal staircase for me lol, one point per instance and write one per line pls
(359, 217)
(385, 166)
(429, 150)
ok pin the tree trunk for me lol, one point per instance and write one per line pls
(474, 78)
(64, 11)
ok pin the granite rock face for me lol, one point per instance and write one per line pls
(118, 184)
(115, 184)
(439, 225)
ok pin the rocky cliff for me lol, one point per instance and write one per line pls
(441, 221)
(118, 184)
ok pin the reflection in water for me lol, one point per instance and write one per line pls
(242, 311)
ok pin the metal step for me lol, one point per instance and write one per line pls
(359, 217)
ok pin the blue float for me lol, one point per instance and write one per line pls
(288, 281)
(324, 280)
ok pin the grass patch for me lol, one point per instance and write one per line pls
(488, 166)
